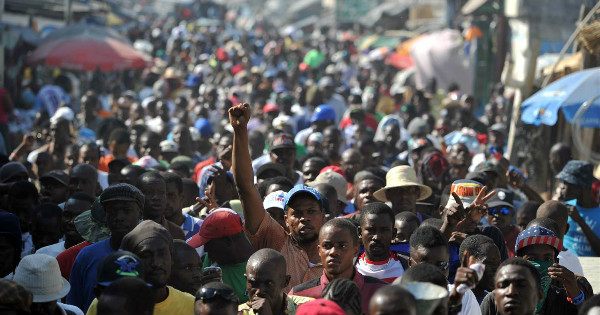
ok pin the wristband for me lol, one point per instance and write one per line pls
(578, 299)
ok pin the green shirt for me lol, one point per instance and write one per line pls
(233, 275)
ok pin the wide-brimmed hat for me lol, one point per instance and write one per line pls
(40, 274)
(402, 176)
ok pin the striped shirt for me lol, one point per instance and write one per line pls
(387, 270)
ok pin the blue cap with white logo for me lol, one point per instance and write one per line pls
(301, 189)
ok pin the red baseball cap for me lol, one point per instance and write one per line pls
(219, 223)
(270, 107)
(320, 307)
(333, 168)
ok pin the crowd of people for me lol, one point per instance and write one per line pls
(280, 175)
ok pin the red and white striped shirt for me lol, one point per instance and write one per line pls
(387, 270)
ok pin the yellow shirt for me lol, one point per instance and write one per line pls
(292, 305)
(177, 302)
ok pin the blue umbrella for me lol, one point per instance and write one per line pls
(566, 94)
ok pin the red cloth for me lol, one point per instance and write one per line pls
(510, 239)
(370, 122)
(67, 258)
(198, 168)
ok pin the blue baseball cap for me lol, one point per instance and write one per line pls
(203, 126)
(323, 112)
(301, 189)
(193, 80)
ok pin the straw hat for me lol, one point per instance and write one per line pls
(40, 274)
(402, 176)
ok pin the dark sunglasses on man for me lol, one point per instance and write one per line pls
(503, 210)
(205, 294)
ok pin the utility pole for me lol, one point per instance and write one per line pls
(68, 9)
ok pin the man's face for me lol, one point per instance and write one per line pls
(501, 217)
(391, 134)
(569, 191)
(53, 191)
(404, 229)
(71, 158)
(278, 215)
(304, 219)
(351, 164)
(538, 252)
(89, 155)
(174, 198)
(155, 194)
(365, 190)
(82, 181)
(186, 271)
(45, 231)
(23, 209)
(437, 256)
(523, 218)
(314, 146)
(265, 279)
(515, 291)
(310, 171)
(377, 233)
(331, 142)
(337, 250)
(149, 146)
(121, 217)
(181, 136)
(284, 157)
(403, 198)
(458, 156)
(491, 261)
(155, 254)
(73, 208)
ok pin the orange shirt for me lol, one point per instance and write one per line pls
(103, 165)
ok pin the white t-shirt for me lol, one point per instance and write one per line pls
(469, 303)
(52, 250)
(570, 260)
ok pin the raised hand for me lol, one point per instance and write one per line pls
(476, 210)
(566, 277)
(239, 116)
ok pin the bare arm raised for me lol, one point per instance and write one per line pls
(241, 167)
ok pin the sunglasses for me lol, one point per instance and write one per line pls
(503, 210)
(209, 293)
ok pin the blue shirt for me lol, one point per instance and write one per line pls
(574, 239)
(84, 273)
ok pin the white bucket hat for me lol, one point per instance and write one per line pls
(402, 176)
(40, 274)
